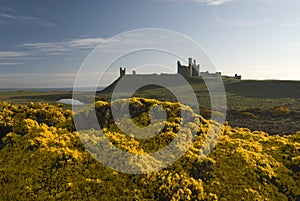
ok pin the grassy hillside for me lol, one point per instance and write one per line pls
(251, 103)
(42, 158)
(241, 94)
(25, 96)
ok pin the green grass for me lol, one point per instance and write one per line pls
(240, 94)
(259, 97)
(262, 94)
(24, 97)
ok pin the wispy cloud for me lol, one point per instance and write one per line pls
(9, 15)
(205, 2)
(8, 76)
(10, 63)
(211, 2)
(13, 58)
(244, 22)
(11, 54)
(65, 46)
(36, 50)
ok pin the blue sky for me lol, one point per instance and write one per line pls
(43, 43)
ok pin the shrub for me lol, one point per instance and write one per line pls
(47, 161)
(280, 111)
(248, 115)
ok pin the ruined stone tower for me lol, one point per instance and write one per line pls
(122, 72)
(192, 70)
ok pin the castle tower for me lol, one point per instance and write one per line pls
(179, 67)
(122, 72)
(191, 70)
(196, 69)
(190, 62)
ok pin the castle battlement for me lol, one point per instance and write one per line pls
(191, 70)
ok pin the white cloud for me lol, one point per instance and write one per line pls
(10, 58)
(17, 75)
(9, 15)
(86, 42)
(213, 2)
(65, 46)
(205, 2)
(10, 63)
(11, 54)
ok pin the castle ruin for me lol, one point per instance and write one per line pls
(192, 70)
(122, 72)
(237, 77)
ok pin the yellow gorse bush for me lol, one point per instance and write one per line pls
(42, 158)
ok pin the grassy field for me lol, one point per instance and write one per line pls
(272, 106)
(250, 103)
(241, 94)
(24, 97)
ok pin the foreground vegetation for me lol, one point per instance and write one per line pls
(42, 158)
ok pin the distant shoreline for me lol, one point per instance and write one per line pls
(70, 89)
(54, 89)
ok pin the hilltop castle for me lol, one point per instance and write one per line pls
(192, 70)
